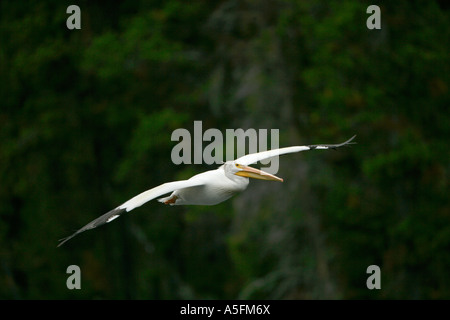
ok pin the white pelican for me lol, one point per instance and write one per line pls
(207, 188)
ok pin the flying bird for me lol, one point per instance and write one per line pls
(207, 188)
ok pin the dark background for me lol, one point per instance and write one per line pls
(86, 118)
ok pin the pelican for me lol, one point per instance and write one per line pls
(207, 188)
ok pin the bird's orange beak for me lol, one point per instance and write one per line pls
(256, 174)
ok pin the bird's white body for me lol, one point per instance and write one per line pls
(207, 188)
(217, 187)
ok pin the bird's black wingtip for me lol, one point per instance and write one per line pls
(107, 217)
(350, 141)
(346, 144)
(64, 240)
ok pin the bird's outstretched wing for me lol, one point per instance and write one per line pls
(135, 202)
(255, 157)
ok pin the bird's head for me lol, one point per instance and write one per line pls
(237, 169)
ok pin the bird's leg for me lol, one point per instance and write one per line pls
(171, 200)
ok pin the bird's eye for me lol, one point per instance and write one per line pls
(238, 165)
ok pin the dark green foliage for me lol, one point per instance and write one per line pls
(86, 118)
